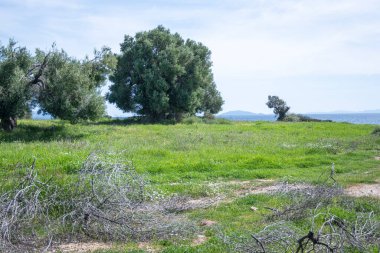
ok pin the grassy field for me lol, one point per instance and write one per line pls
(199, 160)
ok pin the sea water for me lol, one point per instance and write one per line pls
(355, 118)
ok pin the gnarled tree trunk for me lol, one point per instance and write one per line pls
(8, 123)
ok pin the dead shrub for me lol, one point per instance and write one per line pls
(327, 232)
(108, 201)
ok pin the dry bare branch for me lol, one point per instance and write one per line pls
(108, 201)
(327, 233)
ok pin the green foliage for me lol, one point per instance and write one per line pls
(207, 119)
(62, 86)
(301, 118)
(295, 118)
(71, 86)
(191, 120)
(15, 91)
(212, 100)
(279, 107)
(162, 76)
(376, 131)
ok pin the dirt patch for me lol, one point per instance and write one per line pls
(207, 223)
(201, 239)
(82, 247)
(146, 246)
(270, 189)
(204, 202)
(249, 182)
(359, 190)
(377, 158)
(245, 188)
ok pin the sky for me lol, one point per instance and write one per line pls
(319, 56)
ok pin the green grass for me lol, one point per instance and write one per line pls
(188, 158)
(200, 152)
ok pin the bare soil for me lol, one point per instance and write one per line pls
(201, 239)
(360, 190)
(207, 223)
(146, 246)
(82, 247)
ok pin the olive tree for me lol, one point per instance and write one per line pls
(72, 86)
(62, 86)
(160, 75)
(280, 109)
(16, 80)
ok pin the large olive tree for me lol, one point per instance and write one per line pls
(160, 75)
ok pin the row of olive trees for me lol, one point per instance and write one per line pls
(158, 74)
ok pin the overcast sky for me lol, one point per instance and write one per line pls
(319, 56)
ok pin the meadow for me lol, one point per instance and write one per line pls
(205, 160)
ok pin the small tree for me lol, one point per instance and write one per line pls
(279, 106)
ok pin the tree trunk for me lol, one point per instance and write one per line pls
(9, 123)
(178, 116)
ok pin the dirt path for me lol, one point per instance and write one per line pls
(82, 247)
(246, 188)
(360, 190)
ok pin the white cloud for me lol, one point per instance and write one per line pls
(296, 38)
(45, 4)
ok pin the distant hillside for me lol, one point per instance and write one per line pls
(238, 113)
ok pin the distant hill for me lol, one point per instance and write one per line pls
(238, 113)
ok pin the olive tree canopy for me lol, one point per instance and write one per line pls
(160, 75)
(72, 87)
